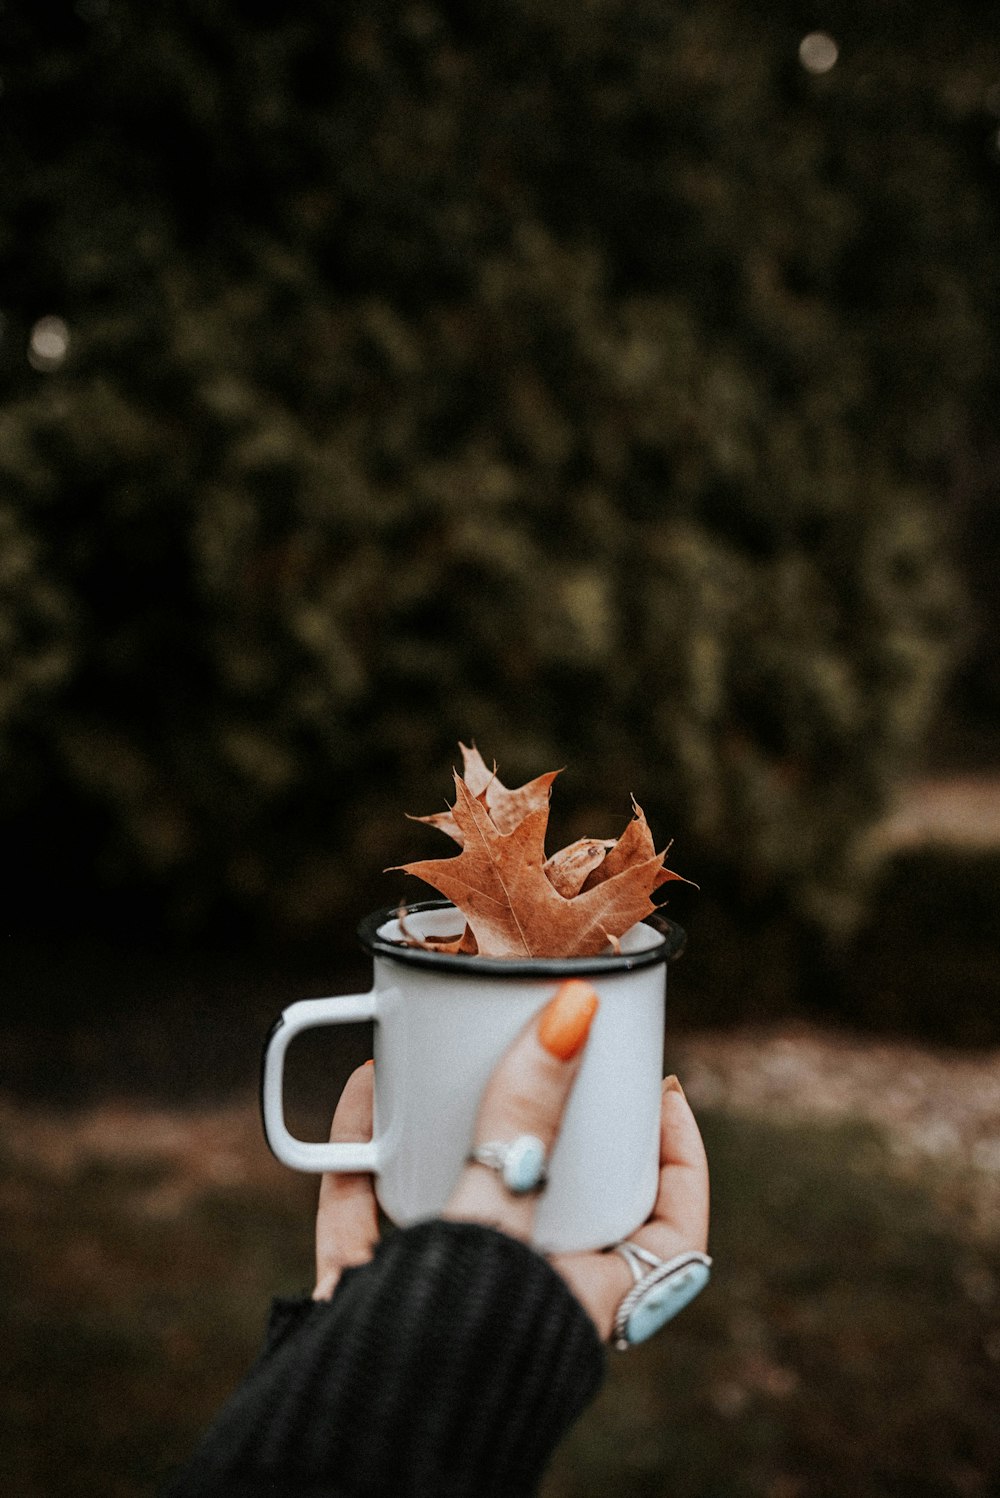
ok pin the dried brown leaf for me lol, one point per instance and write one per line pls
(634, 846)
(506, 807)
(499, 882)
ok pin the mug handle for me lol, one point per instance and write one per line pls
(307, 1014)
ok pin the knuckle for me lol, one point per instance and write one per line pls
(533, 1106)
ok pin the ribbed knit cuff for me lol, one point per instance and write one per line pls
(449, 1366)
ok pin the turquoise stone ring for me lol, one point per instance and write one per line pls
(664, 1288)
(520, 1162)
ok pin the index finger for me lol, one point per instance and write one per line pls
(526, 1094)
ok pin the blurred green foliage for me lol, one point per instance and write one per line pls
(587, 380)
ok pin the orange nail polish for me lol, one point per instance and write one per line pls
(565, 1021)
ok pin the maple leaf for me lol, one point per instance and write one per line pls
(499, 883)
(506, 807)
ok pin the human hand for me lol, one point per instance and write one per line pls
(526, 1094)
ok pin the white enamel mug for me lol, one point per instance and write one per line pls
(441, 1024)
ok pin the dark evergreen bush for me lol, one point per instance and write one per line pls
(582, 379)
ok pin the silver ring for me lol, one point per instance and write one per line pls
(520, 1162)
(661, 1288)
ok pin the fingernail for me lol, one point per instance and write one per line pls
(370, 1061)
(671, 1084)
(565, 1021)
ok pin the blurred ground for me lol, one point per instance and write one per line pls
(849, 1343)
(938, 1114)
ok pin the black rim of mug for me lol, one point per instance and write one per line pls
(671, 946)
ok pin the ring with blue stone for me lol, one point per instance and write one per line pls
(520, 1162)
(662, 1288)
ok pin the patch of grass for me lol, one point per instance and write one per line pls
(848, 1344)
(126, 1318)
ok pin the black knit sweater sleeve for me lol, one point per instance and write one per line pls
(450, 1366)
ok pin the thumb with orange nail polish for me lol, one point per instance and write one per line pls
(564, 1023)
